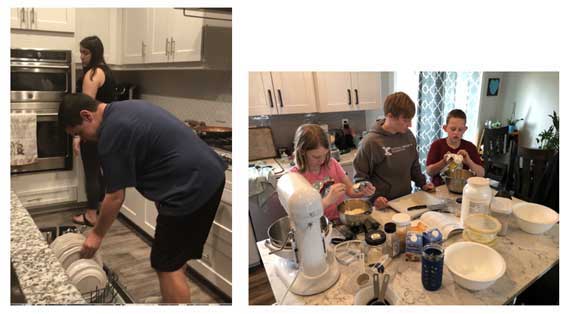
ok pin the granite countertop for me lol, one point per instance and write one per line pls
(527, 258)
(42, 278)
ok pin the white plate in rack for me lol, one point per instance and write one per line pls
(87, 275)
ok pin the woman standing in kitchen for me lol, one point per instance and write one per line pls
(313, 162)
(97, 82)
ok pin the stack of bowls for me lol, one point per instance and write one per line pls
(481, 228)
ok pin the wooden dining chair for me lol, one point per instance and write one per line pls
(530, 169)
(496, 154)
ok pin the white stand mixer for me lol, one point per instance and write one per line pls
(314, 270)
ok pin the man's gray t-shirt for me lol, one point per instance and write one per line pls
(143, 146)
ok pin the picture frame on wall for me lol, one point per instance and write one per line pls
(493, 86)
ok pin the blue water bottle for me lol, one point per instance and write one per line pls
(432, 266)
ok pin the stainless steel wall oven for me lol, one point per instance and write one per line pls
(39, 80)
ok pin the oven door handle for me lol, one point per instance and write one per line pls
(35, 65)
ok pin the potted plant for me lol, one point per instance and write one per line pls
(511, 122)
(549, 139)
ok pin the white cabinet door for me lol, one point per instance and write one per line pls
(185, 37)
(43, 19)
(98, 22)
(134, 206)
(18, 18)
(159, 39)
(261, 94)
(135, 39)
(294, 92)
(366, 87)
(335, 92)
(150, 217)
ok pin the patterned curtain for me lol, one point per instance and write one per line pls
(439, 93)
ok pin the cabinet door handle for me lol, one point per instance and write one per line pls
(172, 47)
(349, 98)
(31, 17)
(270, 97)
(143, 48)
(22, 14)
(281, 101)
(356, 95)
(166, 47)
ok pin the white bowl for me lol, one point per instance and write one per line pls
(535, 218)
(474, 266)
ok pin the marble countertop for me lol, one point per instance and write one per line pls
(42, 278)
(527, 258)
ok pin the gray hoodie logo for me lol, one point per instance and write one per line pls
(389, 151)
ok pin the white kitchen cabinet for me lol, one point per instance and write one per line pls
(134, 206)
(186, 37)
(160, 35)
(281, 93)
(43, 19)
(135, 35)
(261, 94)
(347, 91)
(103, 23)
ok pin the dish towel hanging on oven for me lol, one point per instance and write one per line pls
(23, 149)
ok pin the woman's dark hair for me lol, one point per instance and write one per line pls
(95, 46)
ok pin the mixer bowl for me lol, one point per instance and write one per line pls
(278, 231)
(456, 179)
(354, 211)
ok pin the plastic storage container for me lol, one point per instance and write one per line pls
(374, 246)
(402, 221)
(501, 208)
(481, 228)
(476, 197)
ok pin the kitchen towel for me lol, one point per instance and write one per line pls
(23, 149)
(262, 183)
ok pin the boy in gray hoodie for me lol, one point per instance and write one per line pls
(388, 155)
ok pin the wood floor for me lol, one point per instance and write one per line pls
(127, 255)
(260, 290)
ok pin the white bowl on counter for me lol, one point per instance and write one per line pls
(535, 218)
(474, 266)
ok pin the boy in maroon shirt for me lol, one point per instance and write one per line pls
(454, 144)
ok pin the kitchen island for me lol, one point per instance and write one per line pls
(527, 258)
(41, 276)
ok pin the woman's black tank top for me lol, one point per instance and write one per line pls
(105, 93)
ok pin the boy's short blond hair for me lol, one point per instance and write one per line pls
(399, 104)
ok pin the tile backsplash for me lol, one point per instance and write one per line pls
(284, 126)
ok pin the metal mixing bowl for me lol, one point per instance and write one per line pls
(456, 179)
(278, 231)
(352, 204)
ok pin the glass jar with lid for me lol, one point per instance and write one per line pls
(476, 197)
(374, 246)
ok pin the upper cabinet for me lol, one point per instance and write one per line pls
(160, 36)
(43, 19)
(281, 93)
(99, 22)
(346, 91)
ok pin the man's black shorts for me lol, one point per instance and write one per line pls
(181, 238)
